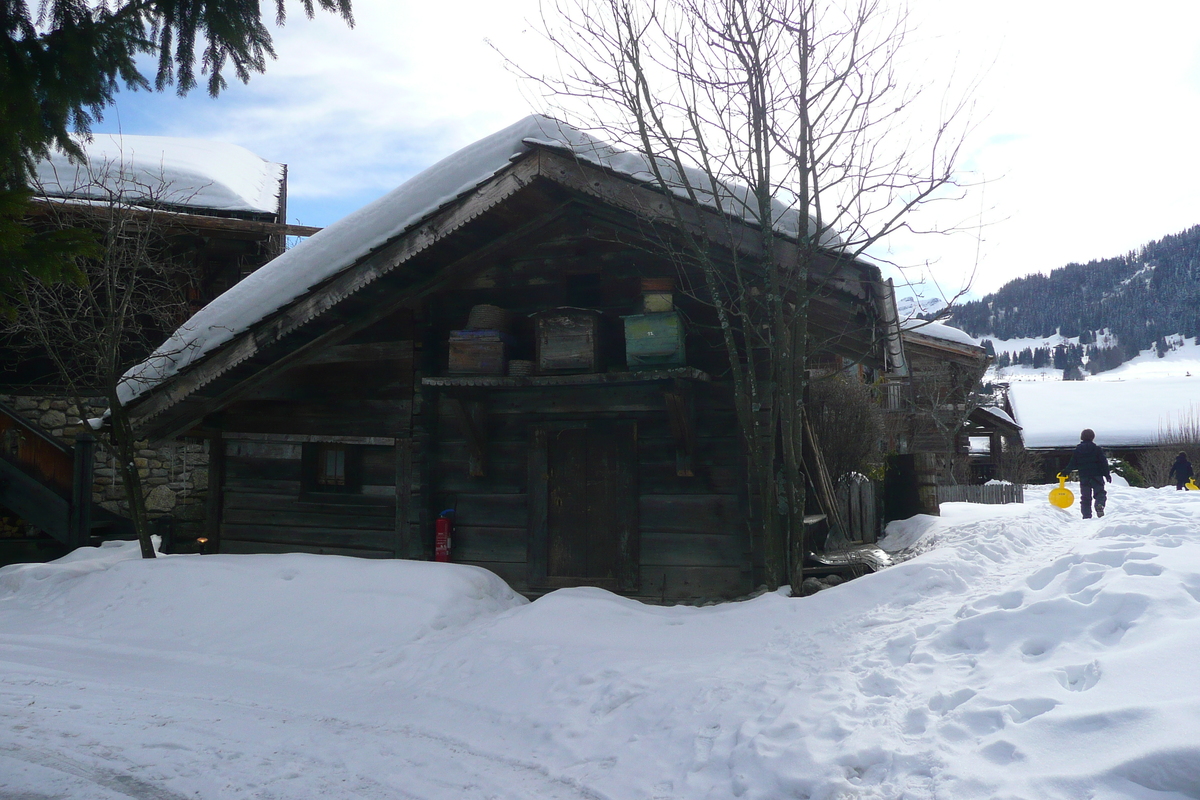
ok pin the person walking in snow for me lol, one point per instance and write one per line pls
(1181, 470)
(1092, 464)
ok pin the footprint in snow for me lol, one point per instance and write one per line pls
(1079, 678)
(1002, 752)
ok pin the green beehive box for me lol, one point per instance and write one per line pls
(654, 341)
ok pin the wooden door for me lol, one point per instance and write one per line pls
(588, 505)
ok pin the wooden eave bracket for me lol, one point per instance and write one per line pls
(681, 412)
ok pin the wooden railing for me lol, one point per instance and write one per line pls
(992, 494)
(46, 482)
(42, 456)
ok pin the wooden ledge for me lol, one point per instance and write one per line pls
(587, 379)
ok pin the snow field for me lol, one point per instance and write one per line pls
(1183, 360)
(1017, 652)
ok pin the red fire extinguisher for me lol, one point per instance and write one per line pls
(442, 531)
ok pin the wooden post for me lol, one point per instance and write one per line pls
(538, 488)
(404, 548)
(472, 421)
(681, 415)
(926, 469)
(80, 528)
(214, 504)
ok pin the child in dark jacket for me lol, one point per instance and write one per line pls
(1092, 464)
(1181, 470)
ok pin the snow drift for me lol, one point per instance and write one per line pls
(1018, 652)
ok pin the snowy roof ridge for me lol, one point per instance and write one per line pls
(939, 330)
(999, 413)
(164, 170)
(347, 241)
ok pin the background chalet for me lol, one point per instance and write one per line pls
(216, 212)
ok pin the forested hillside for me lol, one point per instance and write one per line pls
(1141, 298)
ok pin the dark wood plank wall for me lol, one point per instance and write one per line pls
(693, 534)
(941, 386)
(692, 530)
(265, 510)
(362, 389)
(693, 540)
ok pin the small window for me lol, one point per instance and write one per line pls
(332, 467)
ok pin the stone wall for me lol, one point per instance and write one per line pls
(174, 473)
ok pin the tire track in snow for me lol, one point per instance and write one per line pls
(233, 748)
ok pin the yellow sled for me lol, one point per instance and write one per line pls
(1191, 485)
(1062, 496)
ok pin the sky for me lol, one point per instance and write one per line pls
(1083, 143)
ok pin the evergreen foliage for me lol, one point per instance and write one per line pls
(1141, 297)
(46, 255)
(61, 68)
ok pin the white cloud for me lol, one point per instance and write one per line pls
(1086, 138)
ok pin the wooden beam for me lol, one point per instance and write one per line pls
(471, 416)
(681, 414)
(538, 498)
(404, 476)
(300, 438)
(80, 529)
(178, 219)
(347, 353)
(818, 475)
(215, 505)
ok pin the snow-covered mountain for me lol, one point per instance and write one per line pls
(1106, 313)
(912, 306)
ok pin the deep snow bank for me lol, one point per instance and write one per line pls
(294, 609)
(1021, 653)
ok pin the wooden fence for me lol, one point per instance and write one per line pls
(856, 500)
(993, 494)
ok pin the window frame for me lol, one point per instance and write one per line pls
(313, 457)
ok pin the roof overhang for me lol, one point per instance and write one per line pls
(421, 261)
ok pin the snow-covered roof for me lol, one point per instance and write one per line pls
(348, 240)
(1122, 413)
(998, 413)
(193, 173)
(938, 330)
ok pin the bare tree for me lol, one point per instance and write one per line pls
(785, 113)
(848, 422)
(132, 290)
(1016, 464)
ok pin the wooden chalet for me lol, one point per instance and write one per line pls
(490, 351)
(217, 210)
(926, 407)
(987, 435)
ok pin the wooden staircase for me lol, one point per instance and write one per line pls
(48, 483)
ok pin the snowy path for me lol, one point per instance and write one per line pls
(1024, 654)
